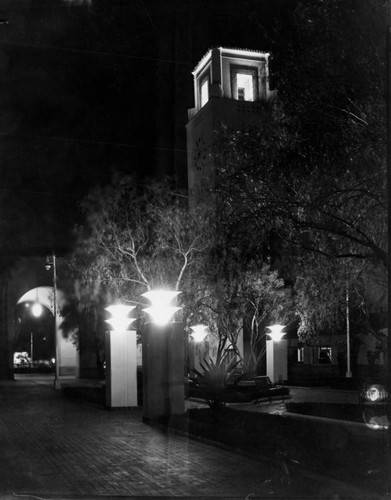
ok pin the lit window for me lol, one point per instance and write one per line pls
(204, 91)
(245, 86)
(244, 83)
(300, 354)
(324, 355)
(241, 94)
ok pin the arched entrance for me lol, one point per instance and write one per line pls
(66, 351)
(28, 274)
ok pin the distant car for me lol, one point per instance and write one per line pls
(376, 403)
(43, 363)
(266, 389)
(21, 359)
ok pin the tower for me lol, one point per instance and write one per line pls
(230, 88)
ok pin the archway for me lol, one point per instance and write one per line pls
(68, 364)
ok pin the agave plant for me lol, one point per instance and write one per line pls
(213, 379)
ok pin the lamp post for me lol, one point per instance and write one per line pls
(199, 332)
(347, 308)
(161, 310)
(163, 358)
(276, 354)
(51, 264)
(198, 335)
(121, 358)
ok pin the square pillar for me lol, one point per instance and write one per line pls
(163, 371)
(121, 369)
(277, 360)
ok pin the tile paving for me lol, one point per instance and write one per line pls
(53, 447)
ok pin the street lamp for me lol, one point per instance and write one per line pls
(199, 332)
(36, 310)
(276, 332)
(120, 320)
(161, 310)
(276, 354)
(163, 358)
(196, 348)
(51, 264)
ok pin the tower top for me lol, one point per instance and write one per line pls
(230, 53)
(231, 73)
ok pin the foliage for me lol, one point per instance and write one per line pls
(213, 378)
(236, 284)
(311, 177)
(137, 236)
(315, 172)
(268, 301)
(142, 235)
(322, 289)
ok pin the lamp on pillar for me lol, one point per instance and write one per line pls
(199, 332)
(276, 332)
(161, 310)
(163, 358)
(121, 358)
(198, 335)
(276, 354)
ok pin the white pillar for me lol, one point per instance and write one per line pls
(121, 369)
(277, 360)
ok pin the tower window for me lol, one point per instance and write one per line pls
(244, 83)
(245, 86)
(204, 91)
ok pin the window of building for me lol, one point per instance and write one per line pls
(245, 87)
(204, 91)
(241, 94)
(300, 354)
(324, 355)
(244, 83)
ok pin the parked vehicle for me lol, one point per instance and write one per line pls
(21, 359)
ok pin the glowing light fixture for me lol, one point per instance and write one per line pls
(37, 310)
(199, 332)
(120, 320)
(276, 332)
(376, 392)
(161, 311)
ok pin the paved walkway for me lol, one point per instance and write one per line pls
(52, 447)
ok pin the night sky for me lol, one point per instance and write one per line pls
(88, 88)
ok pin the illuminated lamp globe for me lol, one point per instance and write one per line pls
(199, 332)
(161, 311)
(276, 332)
(376, 392)
(120, 320)
(37, 310)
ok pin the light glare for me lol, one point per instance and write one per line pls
(120, 320)
(276, 332)
(37, 310)
(199, 332)
(161, 311)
